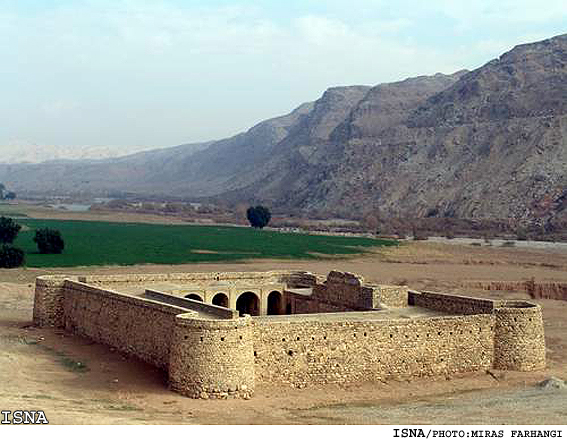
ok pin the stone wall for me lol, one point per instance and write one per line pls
(195, 279)
(450, 303)
(212, 358)
(389, 296)
(215, 354)
(194, 305)
(343, 351)
(134, 326)
(519, 342)
(48, 301)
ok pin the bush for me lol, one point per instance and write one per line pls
(419, 235)
(8, 230)
(11, 257)
(432, 212)
(258, 216)
(521, 234)
(49, 241)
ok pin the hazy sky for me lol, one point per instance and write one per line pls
(161, 73)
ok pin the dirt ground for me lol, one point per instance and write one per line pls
(76, 381)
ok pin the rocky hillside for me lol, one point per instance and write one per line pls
(490, 143)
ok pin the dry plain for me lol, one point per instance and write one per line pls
(78, 382)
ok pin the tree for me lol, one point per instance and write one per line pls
(8, 230)
(258, 216)
(2, 188)
(49, 241)
(10, 195)
(11, 257)
(371, 223)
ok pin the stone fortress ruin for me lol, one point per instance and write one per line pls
(217, 335)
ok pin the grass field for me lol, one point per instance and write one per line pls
(109, 243)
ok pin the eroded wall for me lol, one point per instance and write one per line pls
(339, 292)
(536, 290)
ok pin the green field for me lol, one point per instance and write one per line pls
(110, 243)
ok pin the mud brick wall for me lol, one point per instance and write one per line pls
(547, 290)
(314, 352)
(536, 290)
(132, 325)
(496, 285)
(212, 358)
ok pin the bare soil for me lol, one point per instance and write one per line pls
(76, 381)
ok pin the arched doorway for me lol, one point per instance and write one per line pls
(220, 299)
(275, 303)
(194, 297)
(248, 303)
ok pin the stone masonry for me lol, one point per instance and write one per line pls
(217, 335)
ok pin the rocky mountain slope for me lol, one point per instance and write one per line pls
(490, 143)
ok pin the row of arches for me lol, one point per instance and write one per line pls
(247, 302)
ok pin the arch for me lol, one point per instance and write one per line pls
(275, 303)
(248, 303)
(194, 296)
(220, 299)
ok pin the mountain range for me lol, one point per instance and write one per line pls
(490, 143)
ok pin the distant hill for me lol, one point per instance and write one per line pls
(17, 152)
(489, 143)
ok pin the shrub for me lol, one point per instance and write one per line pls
(8, 230)
(11, 257)
(521, 234)
(432, 212)
(49, 241)
(419, 235)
